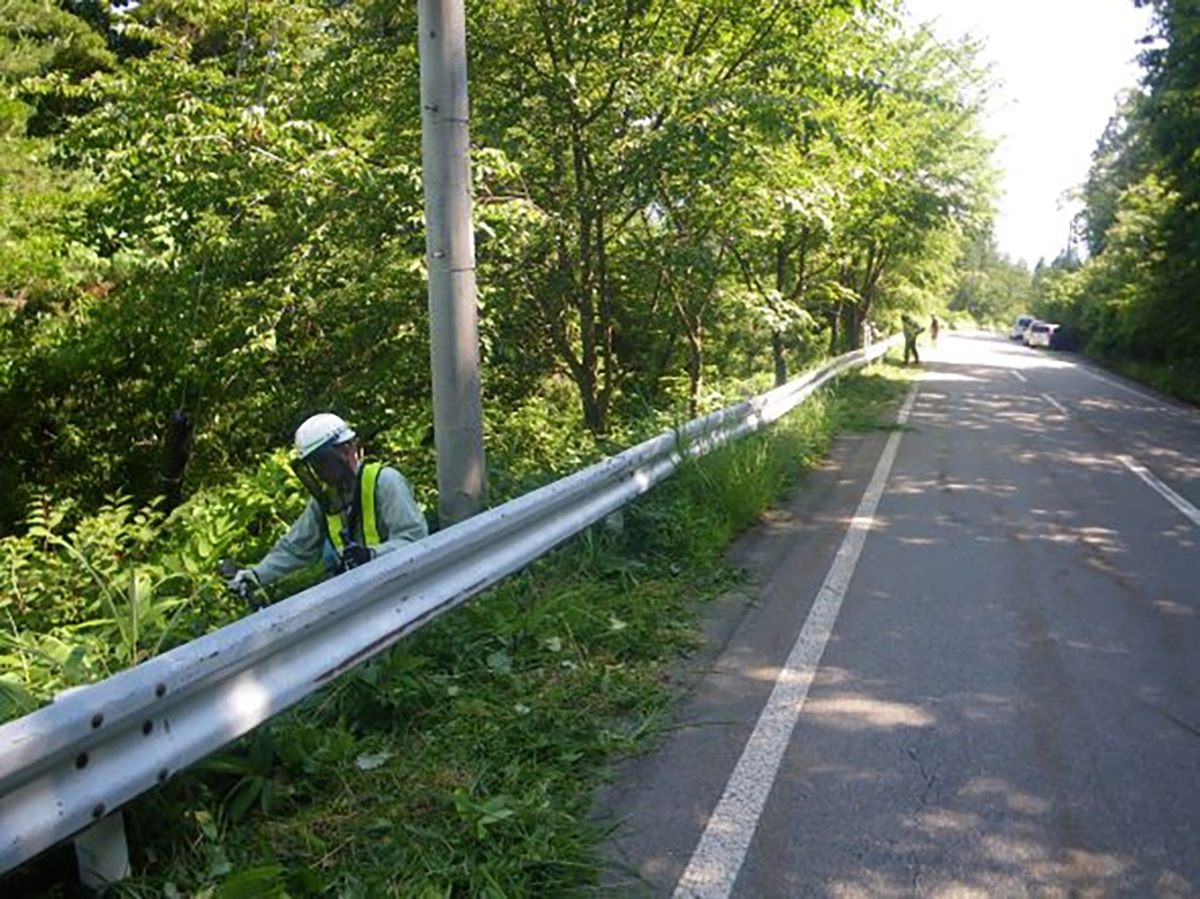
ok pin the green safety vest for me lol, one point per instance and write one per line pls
(366, 498)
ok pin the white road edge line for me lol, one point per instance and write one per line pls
(1132, 391)
(1162, 489)
(1056, 404)
(718, 858)
(1020, 377)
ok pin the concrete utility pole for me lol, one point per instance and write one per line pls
(450, 254)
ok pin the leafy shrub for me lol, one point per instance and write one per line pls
(82, 601)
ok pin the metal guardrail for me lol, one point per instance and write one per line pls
(70, 764)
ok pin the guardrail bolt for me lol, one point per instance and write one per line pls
(81, 760)
(147, 726)
(97, 719)
(160, 691)
(98, 811)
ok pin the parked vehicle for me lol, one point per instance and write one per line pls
(1020, 326)
(1065, 338)
(1040, 334)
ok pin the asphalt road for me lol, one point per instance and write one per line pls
(969, 666)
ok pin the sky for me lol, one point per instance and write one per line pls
(1061, 64)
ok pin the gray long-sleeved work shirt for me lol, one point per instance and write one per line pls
(397, 516)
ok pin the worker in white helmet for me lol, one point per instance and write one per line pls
(358, 510)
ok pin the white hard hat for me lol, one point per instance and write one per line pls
(322, 429)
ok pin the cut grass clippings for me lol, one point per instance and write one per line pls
(463, 761)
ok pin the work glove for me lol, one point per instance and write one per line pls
(244, 583)
(354, 555)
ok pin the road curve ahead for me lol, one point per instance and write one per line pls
(971, 666)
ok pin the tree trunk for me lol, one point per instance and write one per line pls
(595, 325)
(777, 351)
(177, 454)
(595, 416)
(876, 263)
(777, 342)
(695, 364)
(857, 319)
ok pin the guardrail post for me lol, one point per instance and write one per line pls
(102, 852)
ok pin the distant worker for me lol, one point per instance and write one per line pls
(911, 330)
(357, 510)
(870, 334)
(934, 326)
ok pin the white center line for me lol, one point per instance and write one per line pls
(1020, 377)
(722, 849)
(1056, 404)
(1162, 489)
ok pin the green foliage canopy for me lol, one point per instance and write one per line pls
(222, 216)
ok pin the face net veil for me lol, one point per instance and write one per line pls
(329, 477)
